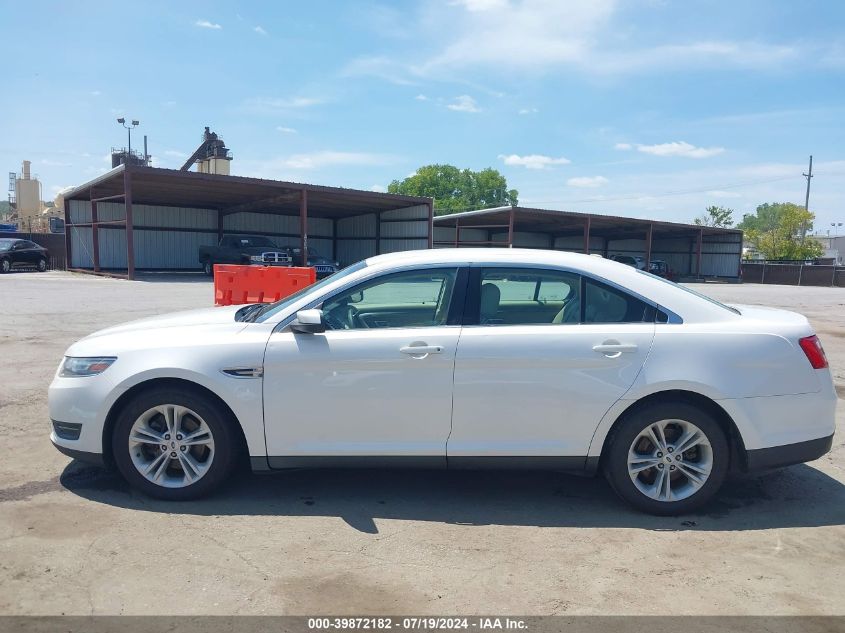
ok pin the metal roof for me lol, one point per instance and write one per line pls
(231, 194)
(565, 223)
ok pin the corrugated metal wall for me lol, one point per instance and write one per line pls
(179, 232)
(363, 236)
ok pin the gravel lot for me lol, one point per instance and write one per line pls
(75, 540)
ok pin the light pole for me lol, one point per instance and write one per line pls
(129, 129)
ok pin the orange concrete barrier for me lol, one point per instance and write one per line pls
(235, 285)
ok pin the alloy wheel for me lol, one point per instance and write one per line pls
(171, 446)
(670, 460)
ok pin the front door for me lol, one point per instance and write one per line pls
(549, 353)
(376, 386)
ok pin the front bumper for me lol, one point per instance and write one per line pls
(95, 459)
(787, 455)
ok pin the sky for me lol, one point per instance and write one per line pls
(643, 108)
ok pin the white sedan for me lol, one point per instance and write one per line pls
(456, 358)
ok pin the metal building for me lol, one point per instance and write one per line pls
(144, 218)
(689, 250)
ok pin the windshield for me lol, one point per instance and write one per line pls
(690, 291)
(5, 245)
(275, 308)
(251, 240)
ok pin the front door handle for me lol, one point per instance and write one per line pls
(421, 351)
(615, 350)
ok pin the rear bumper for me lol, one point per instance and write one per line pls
(788, 454)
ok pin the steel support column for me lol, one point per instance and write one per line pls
(457, 232)
(130, 244)
(303, 225)
(431, 225)
(699, 240)
(95, 236)
(648, 236)
(378, 233)
(68, 263)
(587, 223)
(510, 229)
(219, 225)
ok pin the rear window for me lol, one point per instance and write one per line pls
(690, 291)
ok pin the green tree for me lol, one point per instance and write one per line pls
(716, 216)
(455, 189)
(775, 229)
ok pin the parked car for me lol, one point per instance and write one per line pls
(243, 249)
(456, 358)
(323, 265)
(661, 269)
(631, 260)
(18, 253)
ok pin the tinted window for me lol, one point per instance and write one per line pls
(5, 245)
(525, 296)
(407, 299)
(603, 304)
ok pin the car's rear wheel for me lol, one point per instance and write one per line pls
(208, 268)
(42, 265)
(667, 459)
(5, 266)
(173, 445)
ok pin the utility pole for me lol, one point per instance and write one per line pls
(808, 176)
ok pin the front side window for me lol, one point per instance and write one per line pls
(418, 298)
(525, 296)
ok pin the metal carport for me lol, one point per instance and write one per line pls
(689, 249)
(145, 218)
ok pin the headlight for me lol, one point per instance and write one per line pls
(76, 366)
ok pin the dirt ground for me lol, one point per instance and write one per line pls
(75, 540)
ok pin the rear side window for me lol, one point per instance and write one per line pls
(603, 304)
(525, 296)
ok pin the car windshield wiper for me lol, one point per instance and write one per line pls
(247, 313)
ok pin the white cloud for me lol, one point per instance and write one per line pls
(259, 30)
(205, 24)
(589, 182)
(724, 194)
(379, 188)
(285, 130)
(386, 68)
(680, 148)
(623, 146)
(464, 103)
(175, 153)
(529, 111)
(533, 161)
(315, 160)
(96, 93)
(282, 103)
(421, 97)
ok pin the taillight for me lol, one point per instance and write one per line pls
(812, 347)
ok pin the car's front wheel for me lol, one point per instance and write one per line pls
(42, 265)
(5, 266)
(173, 445)
(208, 268)
(667, 459)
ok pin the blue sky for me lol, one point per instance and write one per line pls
(645, 108)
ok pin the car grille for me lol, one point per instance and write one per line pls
(272, 257)
(324, 269)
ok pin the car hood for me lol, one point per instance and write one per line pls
(187, 318)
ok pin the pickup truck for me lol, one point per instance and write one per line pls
(323, 265)
(243, 249)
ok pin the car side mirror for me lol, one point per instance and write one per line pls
(309, 322)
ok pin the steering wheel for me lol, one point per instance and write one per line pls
(347, 319)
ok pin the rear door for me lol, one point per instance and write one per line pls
(543, 356)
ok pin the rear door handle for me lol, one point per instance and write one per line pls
(421, 351)
(614, 350)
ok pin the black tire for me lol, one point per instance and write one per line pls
(615, 459)
(226, 442)
(208, 269)
(5, 266)
(42, 265)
